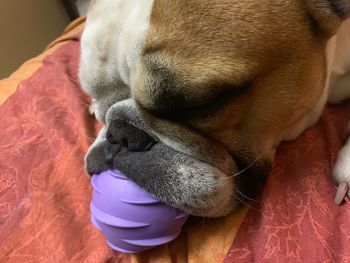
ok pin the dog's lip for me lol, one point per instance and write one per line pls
(204, 161)
(218, 166)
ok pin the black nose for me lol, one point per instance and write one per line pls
(129, 136)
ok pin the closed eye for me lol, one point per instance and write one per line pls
(235, 90)
(170, 94)
(227, 95)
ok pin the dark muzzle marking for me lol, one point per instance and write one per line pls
(129, 136)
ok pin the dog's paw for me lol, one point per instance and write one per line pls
(341, 172)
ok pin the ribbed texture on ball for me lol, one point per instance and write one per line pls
(130, 219)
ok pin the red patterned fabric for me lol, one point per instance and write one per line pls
(44, 194)
(295, 219)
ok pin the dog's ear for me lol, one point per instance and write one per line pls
(328, 14)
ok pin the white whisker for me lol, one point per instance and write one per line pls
(242, 171)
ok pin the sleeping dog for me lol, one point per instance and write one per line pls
(195, 96)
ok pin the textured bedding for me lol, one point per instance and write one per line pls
(45, 195)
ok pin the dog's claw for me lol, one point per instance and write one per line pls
(342, 191)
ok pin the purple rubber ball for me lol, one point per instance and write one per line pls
(130, 219)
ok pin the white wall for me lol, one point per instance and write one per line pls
(26, 28)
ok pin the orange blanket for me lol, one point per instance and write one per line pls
(44, 195)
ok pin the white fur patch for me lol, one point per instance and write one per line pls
(112, 40)
(341, 170)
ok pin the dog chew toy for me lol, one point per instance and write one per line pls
(130, 219)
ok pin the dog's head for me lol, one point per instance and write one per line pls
(217, 86)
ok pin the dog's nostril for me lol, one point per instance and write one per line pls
(110, 138)
(110, 151)
(124, 142)
(129, 136)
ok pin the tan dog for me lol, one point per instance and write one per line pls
(196, 95)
